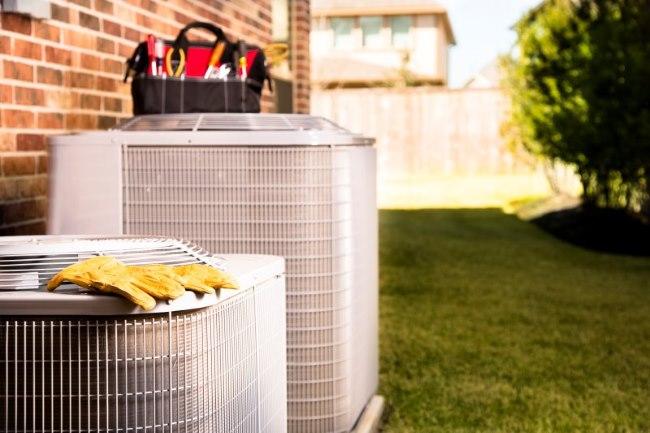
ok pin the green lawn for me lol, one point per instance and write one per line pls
(490, 325)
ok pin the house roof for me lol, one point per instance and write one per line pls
(488, 77)
(324, 8)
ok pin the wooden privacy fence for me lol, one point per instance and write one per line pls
(426, 132)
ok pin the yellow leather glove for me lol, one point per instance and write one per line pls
(78, 273)
(159, 281)
(142, 284)
(204, 278)
(106, 275)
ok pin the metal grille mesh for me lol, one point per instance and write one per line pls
(279, 201)
(189, 371)
(53, 255)
(293, 202)
(228, 122)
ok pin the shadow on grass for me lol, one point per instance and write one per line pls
(488, 324)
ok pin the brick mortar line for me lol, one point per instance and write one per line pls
(60, 45)
(152, 15)
(23, 177)
(293, 32)
(45, 86)
(25, 222)
(24, 199)
(230, 3)
(99, 33)
(35, 131)
(87, 11)
(52, 131)
(123, 22)
(45, 109)
(215, 11)
(116, 57)
(62, 110)
(143, 12)
(33, 153)
(22, 223)
(41, 131)
(40, 109)
(114, 18)
(21, 199)
(59, 67)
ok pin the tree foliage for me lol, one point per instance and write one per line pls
(579, 83)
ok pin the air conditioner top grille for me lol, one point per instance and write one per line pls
(219, 129)
(27, 264)
(229, 122)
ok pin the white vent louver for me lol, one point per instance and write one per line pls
(81, 362)
(295, 186)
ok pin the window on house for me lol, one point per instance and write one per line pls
(400, 27)
(342, 28)
(371, 31)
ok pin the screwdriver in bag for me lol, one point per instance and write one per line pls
(243, 68)
(217, 52)
(160, 54)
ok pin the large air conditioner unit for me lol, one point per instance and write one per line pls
(76, 361)
(292, 185)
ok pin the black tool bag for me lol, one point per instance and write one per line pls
(155, 95)
(191, 92)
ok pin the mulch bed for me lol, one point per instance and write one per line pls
(607, 230)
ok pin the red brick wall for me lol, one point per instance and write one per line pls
(300, 25)
(65, 74)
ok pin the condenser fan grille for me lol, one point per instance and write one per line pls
(30, 266)
(228, 122)
(297, 203)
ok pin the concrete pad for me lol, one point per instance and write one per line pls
(370, 419)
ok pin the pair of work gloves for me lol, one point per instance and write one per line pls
(142, 284)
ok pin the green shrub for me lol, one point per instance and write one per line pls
(579, 83)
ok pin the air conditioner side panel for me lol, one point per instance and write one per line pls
(365, 287)
(85, 187)
(271, 335)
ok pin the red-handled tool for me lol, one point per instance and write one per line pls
(151, 52)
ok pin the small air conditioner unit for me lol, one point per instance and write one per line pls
(296, 186)
(75, 361)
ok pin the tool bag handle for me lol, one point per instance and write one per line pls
(181, 39)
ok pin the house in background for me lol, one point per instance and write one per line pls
(369, 43)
